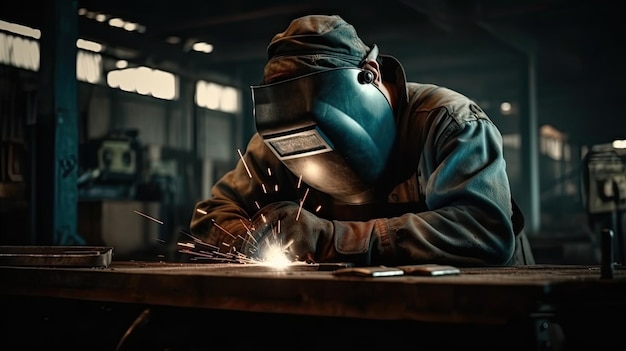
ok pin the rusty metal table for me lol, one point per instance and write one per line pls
(531, 307)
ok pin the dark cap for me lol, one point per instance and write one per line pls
(313, 43)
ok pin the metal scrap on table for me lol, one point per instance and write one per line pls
(56, 256)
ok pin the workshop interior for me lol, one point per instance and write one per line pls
(117, 117)
(139, 106)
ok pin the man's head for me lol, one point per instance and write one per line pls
(311, 44)
(322, 108)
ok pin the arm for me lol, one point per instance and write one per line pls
(468, 221)
(464, 185)
(467, 192)
(462, 173)
(465, 188)
(221, 220)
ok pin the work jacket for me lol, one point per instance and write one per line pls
(444, 197)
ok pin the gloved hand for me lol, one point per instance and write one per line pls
(306, 237)
(299, 232)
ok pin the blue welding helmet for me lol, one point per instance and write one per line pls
(334, 128)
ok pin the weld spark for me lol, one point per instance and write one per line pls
(222, 228)
(302, 203)
(145, 215)
(244, 163)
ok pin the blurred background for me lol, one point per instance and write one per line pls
(116, 117)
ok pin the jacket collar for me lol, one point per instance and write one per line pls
(393, 71)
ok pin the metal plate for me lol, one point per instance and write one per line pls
(56, 256)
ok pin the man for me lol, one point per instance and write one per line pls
(352, 163)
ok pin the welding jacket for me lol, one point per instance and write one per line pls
(445, 196)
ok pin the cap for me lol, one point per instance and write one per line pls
(313, 43)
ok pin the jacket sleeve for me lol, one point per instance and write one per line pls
(222, 220)
(469, 198)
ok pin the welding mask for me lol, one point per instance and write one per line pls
(334, 128)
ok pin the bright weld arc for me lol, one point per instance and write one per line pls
(276, 258)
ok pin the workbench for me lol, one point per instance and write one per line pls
(190, 306)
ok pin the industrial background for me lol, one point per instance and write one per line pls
(556, 62)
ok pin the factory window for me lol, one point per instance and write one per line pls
(217, 97)
(19, 52)
(145, 81)
(512, 140)
(22, 51)
(88, 67)
(553, 143)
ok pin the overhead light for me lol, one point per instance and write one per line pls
(121, 64)
(619, 144)
(172, 40)
(89, 45)
(116, 22)
(202, 47)
(505, 108)
(130, 26)
(101, 17)
(21, 30)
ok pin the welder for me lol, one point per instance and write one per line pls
(352, 163)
